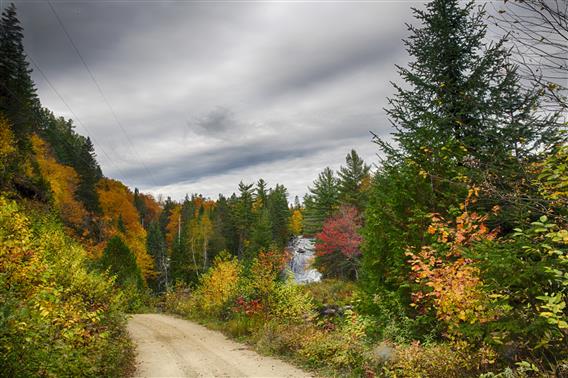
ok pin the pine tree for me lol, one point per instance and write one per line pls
(140, 206)
(261, 235)
(156, 246)
(463, 111)
(244, 216)
(121, 262)
(261, 194)
(279, 215)
(168, 207)
(352, 179)
(225, 237)
(321, 202)
(18, 99)
(461, 119)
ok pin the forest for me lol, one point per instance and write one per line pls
(446, 257)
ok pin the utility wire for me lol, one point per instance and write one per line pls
(100, 90)
(91, 135)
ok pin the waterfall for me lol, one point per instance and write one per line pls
(303, 250)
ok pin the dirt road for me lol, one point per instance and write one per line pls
(172, 347)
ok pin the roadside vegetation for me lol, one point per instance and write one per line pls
(58, 318)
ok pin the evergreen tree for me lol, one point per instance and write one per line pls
(297, 204)
(18, 99)
(321, 202)
(312, 221)
(279, 215)
(156, 246)
(168, 206)
(89, 174)
(352, 179)
(463, 112)
(226, 232)
(121, 262)
(183, 267)
(261, 235)
(462, 119)
(140, 206)
(244, 217)
(261, 194)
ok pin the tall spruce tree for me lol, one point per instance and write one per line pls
(261, 194)
(352, 178)
(18, 99)
(156, 246)
(462, 111)
(244, 216)
(460, 119)
(261, 234)
(321, 202)
(279, 215)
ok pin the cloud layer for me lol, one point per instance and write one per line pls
(205, 95)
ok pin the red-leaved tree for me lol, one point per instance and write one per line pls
(337, 246)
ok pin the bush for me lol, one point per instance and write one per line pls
(56, 317)
(331, 292)
(289, 304)
(438, 360)
(219, 285)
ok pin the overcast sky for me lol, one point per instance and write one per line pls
(197, 96)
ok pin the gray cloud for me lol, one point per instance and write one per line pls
(208, 93)
(218, 121)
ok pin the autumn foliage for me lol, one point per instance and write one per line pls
(121, 217)
(450, 283)
(63, 181)
(337, 246)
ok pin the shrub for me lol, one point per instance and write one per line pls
(289, 304)
(438, 360)
(219, 285)
(331, 291)
(56, 317)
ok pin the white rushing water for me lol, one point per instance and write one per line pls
(303, 250)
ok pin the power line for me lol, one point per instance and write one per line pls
(100, 90)
(75, 115)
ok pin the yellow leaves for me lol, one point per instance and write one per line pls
(219, 284)
(7, 143)
(552, 178)
(54, 300)
(295, 223)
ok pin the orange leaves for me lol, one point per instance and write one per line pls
(117, 202)
(172, 228)
(451, 283)
(63, 181)
(454, 287)
(467, 228)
